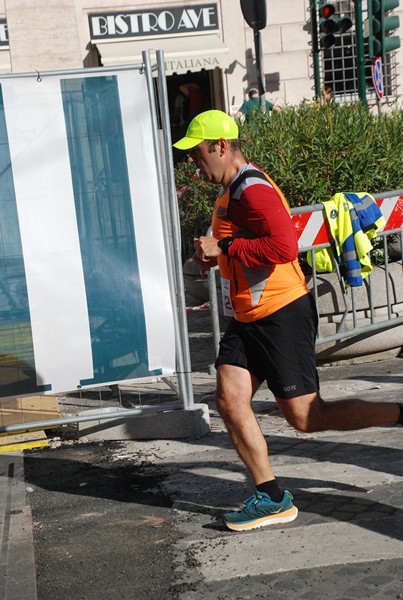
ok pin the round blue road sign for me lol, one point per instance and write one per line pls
(377, 76)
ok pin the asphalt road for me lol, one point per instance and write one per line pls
(102, 525)
(102, 528)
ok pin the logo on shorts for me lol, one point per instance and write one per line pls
(289, 388)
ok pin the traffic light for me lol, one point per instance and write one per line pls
(254, 13)
(380, 24)
(330, 24)
(327, 25)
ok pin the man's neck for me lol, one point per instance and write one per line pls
(230, 175)
(236, 164)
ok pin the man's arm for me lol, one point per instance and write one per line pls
(267, 234)
(241, 111)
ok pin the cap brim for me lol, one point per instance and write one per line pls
(186, 143)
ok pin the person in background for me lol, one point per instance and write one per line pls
(253, 104)
(178, 117)
(327, 96)
(273, 332)
(195, 99)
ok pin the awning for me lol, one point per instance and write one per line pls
(181, 54)
(5, 62)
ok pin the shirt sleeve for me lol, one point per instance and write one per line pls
(266, 233)
(243, 108)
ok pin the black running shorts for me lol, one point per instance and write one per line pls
(279, 348)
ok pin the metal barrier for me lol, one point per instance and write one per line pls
(313, 235)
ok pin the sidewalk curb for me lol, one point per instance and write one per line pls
(17, 550)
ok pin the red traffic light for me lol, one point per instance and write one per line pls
(327, 10)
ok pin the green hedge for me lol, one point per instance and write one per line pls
(311, 152)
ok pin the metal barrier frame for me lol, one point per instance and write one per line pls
(158, 99)
(388, 323)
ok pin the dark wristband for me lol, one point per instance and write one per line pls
(224, 244)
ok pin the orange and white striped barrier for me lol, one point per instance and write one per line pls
(182, 190)
(392, 210)
(311, 226)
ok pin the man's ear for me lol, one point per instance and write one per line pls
(222, 145)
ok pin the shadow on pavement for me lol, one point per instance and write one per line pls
(210, 485)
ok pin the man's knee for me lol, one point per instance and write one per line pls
(226, 406)
(222, 404)
(304, 413)
(304, 424)
(235, 388)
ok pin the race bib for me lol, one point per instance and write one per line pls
(226, 298)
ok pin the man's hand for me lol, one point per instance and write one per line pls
(206, 247)
(206, 252)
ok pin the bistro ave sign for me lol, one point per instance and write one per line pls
(157, 21)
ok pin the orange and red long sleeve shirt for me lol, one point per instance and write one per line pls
(262, 263)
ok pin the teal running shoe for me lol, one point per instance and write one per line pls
(259, 510)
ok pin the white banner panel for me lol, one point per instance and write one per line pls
(48, 228)
(149, 232)
(85, 295)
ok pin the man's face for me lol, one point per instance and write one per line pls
(206, 157)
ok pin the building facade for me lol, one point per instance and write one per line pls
(209, 49)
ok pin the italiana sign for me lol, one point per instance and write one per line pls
(156, 21)
(181, 65)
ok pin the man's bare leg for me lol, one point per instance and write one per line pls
(235, 390)
(309, 413)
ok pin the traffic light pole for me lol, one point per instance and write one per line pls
(315, 49)
(259, 70)
(254, 13)
(359, 42)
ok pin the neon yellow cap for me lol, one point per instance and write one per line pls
(208, 125)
